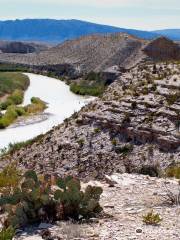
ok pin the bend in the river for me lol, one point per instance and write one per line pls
(62, 103)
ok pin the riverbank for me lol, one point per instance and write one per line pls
(91, 84)
(62, 103)
(9, 83)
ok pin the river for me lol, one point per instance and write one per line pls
(62, 103)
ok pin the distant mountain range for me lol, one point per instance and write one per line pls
(57, 31)
(173, 34)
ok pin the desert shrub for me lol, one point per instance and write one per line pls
(152, 218)
(97, 130)
(20, 111)
(152, 171)
(154, 87)
(9, 178)
(7, 233)
(114, 142)
(171, 99)
(4, 105)
(124, 149)
(17, 97)
(172, 197)
(173, 171)
(36, 106)
(49, 199)
(9, 117)
(93, 76)
(81, 142)
(83, 88)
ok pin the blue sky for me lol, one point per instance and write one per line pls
(139, 14)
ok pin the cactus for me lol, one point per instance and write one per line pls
(34, 200)
(75, 203)
(24, 203)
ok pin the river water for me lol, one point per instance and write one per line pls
(62, 103)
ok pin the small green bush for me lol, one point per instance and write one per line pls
(171, 99)
(7, 233)
(9, 178)
(152, 218)
(36, 106)
(13, 112)
(97, 130)
(173, 172)
(95, 89)
(17, 97)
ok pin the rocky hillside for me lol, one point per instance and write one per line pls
(99, 53)
(134, 127)
(91, 53)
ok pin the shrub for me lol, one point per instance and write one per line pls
(173, 196)
(152, 171)
(36, 106)
(4, 105)
(171, 99)
(152, 218)
(81, 142)
(8, 117)
(95, 89)
(173, 172)
(9, 178)
(114, 142)
(124, 149)
(97, 130)
(17, 97)
(7, 233)
(13, 112)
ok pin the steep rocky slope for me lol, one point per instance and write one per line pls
(133, 126)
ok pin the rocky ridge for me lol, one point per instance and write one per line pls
(89, 53)
(134, 125)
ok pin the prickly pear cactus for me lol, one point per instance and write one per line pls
(75, 203)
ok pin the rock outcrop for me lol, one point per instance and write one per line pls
(163, 49)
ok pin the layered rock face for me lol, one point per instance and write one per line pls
(134, 125)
